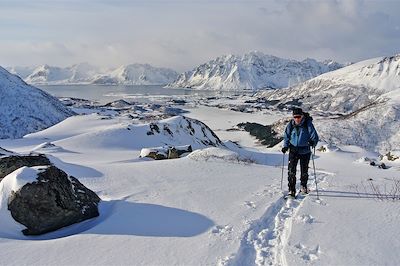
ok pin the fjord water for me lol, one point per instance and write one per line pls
(137, 93)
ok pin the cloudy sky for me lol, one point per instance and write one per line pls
(183, 34)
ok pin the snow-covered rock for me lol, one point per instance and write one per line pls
(26, 109)
(13, 182)
(365, 94)
(44, 199)
(165, 152)
(11, 163)
(137, 74)
(252, 71)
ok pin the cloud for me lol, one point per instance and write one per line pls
(183, 34)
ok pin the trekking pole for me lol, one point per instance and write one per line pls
(283, 163)
(315, 174)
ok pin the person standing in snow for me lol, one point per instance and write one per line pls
(298, 137)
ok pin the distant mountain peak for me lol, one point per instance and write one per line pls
(85, 73)
(251, 71)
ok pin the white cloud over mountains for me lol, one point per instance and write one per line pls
(182, 34)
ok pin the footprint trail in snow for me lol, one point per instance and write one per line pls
(266, 241)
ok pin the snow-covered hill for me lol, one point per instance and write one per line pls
(25, 109)
(137, 74)
(252, 71)
(84, 73)
(365, 94)
(174, 131)
(230, 209)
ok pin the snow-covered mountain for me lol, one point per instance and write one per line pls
(366, 97)
(137, 74)
(344, 90)
(26, 109)
(79, 73)
(252, 71)
(84, 73)
(47, 74)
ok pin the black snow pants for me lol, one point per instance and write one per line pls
(294, 157)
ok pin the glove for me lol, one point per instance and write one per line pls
(311, 143)
(285, 149)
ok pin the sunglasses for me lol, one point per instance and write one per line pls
(297, 116)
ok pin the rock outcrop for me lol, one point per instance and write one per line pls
(168, 152)
(53, 201)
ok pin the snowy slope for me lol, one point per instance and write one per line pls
(346, 89)
(365, 93)
(137, 74)
(208, 208)
(175, 131)
(26, 109)
(252, 71)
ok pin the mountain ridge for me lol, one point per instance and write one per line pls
(252, 71)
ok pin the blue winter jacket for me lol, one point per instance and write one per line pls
(297, 137)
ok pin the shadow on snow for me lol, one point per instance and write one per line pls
(119, 217)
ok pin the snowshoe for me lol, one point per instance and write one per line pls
(290, 195)
(304, 190)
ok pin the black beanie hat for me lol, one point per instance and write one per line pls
(297, 111)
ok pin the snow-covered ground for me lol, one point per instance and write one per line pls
(218, 205)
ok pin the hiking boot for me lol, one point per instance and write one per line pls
(304, 189)
(292, 193)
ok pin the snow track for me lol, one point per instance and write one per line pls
(263, 243)
(266, 241)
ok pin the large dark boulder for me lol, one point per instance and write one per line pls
(11, 163)
(53, 201)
